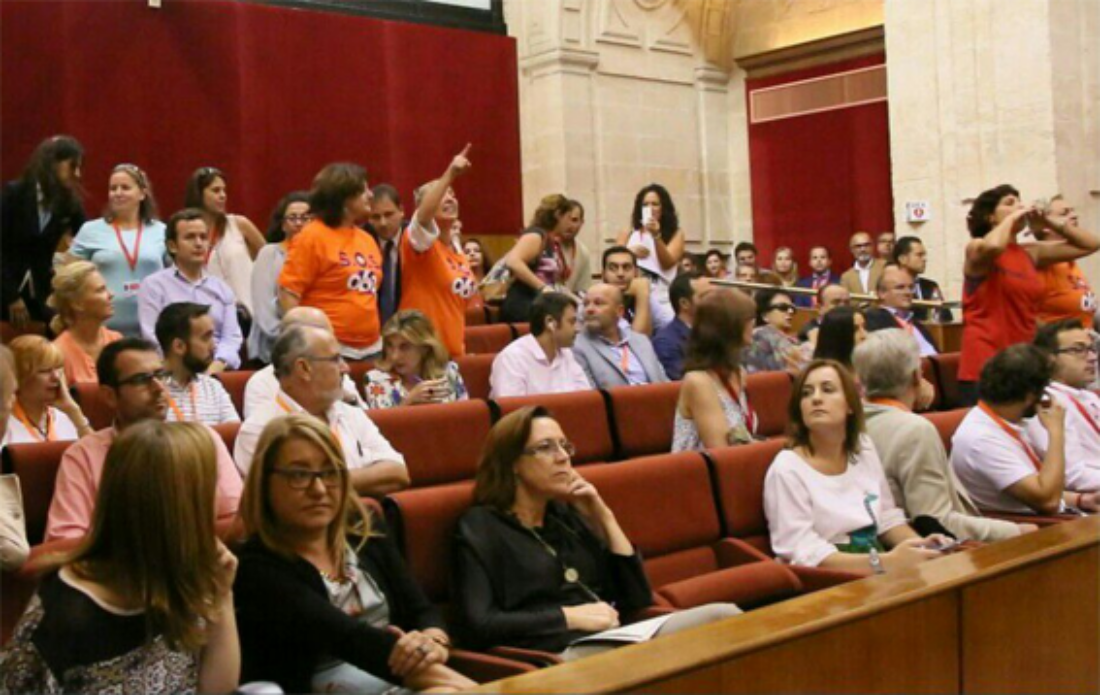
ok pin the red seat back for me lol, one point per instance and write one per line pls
(769, 394)
(357, 370)
(946, 423)
(485, 339)
(234, 383)
(475, 316)
(441, 443)
(90, 398)
(8, 331)
(739, 474)
(643, 417)
(228, 432)
(947, 379)
(582, 416)
(476, 370)
(36, 465)
(928, 371)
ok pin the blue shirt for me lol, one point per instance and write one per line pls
(170, 286)
(669, 344)
(97, 242)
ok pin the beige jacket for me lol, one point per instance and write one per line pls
(850, 278)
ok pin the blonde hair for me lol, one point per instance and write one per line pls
(551, 209)
(256, 512)
(790, 277)
(415, 327)
(33, 353)
(68, 289)
(152, 535)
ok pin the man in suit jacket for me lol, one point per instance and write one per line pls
(609, 352)
(821, 267)
(387, 218)
(862, 278)
(911, 255)
(895, 293)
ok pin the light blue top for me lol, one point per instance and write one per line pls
(97, 242)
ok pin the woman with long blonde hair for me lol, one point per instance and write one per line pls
(145, 601)
(324, 599)
(415, 366)
(83, 303)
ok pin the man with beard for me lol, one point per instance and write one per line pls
(862, 277)
(185, 332)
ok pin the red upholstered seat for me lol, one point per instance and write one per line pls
(520, 329)
(928, 371)
(234, 383)
(440, 443)
(228, 432)
(90, 399)
(8, 331)
(947, 379)
(357, 370)
(946, 423)
(643, 417)
(475, 316)
(36, 465)
(475, 371)
(665, 505)
(485, 339)
(582, 416)
(769, 394)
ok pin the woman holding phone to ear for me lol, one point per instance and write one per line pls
(657, 241)
(415, 368)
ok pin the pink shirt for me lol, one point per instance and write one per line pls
(79, 365)
(521, 369)
(77, 484)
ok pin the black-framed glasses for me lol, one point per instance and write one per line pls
(146, 378)
(301, 478)
(335, 359)
(547, 449)
(784, 307)
(1078, 350)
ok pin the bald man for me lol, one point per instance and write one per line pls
(263, 385)
(862, 277)
(610, 353)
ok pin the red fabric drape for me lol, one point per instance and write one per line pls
(818, 178)
(268, 94)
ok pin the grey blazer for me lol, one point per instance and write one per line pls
(601, 362)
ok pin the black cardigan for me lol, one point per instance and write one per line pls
(510, 590)
(287, 624)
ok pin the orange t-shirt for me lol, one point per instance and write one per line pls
(339, 272)
(79, 365)
(1067, 294)
(438, 282)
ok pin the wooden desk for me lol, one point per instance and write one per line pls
(1021, 616)
(946, 336)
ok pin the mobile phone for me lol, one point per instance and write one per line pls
(647, 215)
(1045, 401)
(943, 547)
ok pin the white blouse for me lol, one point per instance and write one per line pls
(63, 429)
(232, 262)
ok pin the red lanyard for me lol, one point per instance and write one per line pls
(736, 395)
(902, 323)
(131, 259)
(890, 402)
(624, 358)
(176, 408)
(1035, 461)
(1080, 407)
(566, 269)
(47, 436)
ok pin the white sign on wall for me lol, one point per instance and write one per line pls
(918, 211)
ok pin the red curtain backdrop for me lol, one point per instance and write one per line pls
(816, 179)
(268, 94)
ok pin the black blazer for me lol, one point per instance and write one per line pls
(23, 247)
(879, 319)
(510, 590)
(930, 289)
(287, 624)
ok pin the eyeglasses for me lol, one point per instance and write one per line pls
(547, 449)
(862, 246)
(1078, 350)
(146, 378)
(298, 219)
(335, 359)
(785, 308)
(300, 478)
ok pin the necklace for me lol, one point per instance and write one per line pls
(569, 573)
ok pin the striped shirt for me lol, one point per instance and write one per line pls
(203, 400)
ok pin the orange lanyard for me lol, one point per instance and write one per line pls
(624, 358)
(286, 408)
(131, 259)
(194, 406)
(36, 432)
(890, 402)
(1035, 461)
(736, 395)
(1080, 407)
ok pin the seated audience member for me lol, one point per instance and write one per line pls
(1073, 352)
(387, 218)
(290, 216)
(884, 246)
(747, 273)
(746, 254)
(862, 277)
(784, 267)
(909, 446)
(263, 385)
(324, 600)
(713, 409)
(126, 244)
(334, 266)
(690, 264)
(909, 253)
(14, 548)
(535, 261)
(188, 242)
(1066, 290)
(620, 269)
(774, 345)
(415, 367)
(657, 241)
(669, 342)
(610, 353)
(543, 361)
(1001, 465)
(83, 304)
(716, 265)
(826, 498)
(133, 384)
(895, 293)
(821, 275)
(310, 368)
(828, 298)
(535, 518)
(145, 602)
(575, 256)
(185, 332)
(44, 409)
(435, 278)
(841, 330)
(477, 257)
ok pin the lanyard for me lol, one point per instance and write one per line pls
(331, 428)
(194, 406)
(1012, 433)
(902, 323)
(570, 574)
(738, 397)
(624, 359)
(890, 402)
(37, 432)
(566, 268)
(1080, 407)
(131, 259)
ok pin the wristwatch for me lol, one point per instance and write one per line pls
(876, 562)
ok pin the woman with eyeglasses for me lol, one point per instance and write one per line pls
(416, 368)
(83, 304)
(126, 244)
(324, 601)
(775, 345)
(290, 216)
(541, 560)
(44, 410)
(234, 240)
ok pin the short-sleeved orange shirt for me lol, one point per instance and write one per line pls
(438, 282)
(1067, 294)
(79, 365)
(339, 272)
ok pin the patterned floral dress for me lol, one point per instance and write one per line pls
(385, 389)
